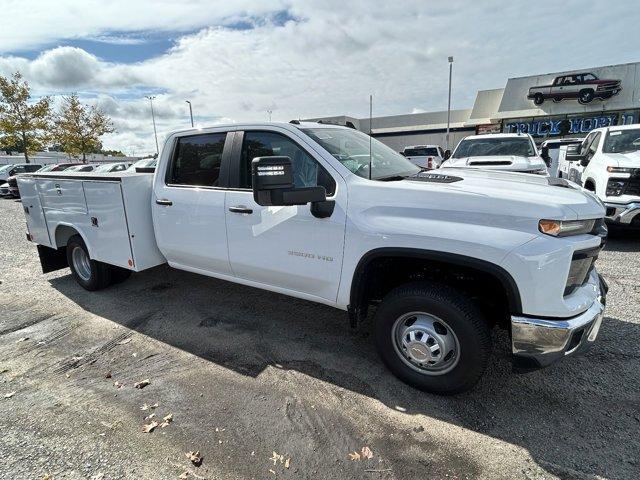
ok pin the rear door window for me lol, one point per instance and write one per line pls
(196, 160)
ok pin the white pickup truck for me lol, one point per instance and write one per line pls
(320, 213)
(511, 152)
(607, 162)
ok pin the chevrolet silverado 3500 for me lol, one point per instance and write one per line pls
(318, 212)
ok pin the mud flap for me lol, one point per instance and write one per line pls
(52, 259)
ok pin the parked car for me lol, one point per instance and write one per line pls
(146, 163)
(443, 257)
(512, 152)
(83, 167)
(111, 167)
(425, 156)
(7, 173)
(12, 183)
(550, 150)
(607, 163)
(581, 86)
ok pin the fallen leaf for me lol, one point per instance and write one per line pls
(149, 427)
(355, 456)
(146, 407)
(76, 359)
(276, 457)
(287, 462)
(272, 471)
(367, 453)
(149, 417)
(125, 341)
(195, 458)
(166, 421)
(118, 384)
(107, 375)
(142, 383)
(9, 395)
(23, 339)
(134, 355)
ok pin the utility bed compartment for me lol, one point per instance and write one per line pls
(111, 211)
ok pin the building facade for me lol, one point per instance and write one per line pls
(553, 105)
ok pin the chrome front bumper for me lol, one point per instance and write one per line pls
(538, 342)
(622, 213)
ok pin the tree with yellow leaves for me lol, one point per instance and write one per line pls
(23, 123)
(78, 127)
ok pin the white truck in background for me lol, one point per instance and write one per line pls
(607, 163)
(320, 213)
(511, 152)
(425, 156)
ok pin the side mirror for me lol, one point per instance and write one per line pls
(447, 154)
(544, 154)
(272, 180)
(402, 153)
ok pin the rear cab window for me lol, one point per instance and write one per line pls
(196, 160)
(421, 152)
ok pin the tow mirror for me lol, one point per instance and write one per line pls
(272, 180)
(447, 154)
(573, 153)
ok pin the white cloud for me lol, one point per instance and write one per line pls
(326, 62)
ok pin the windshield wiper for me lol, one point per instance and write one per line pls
(391, 178)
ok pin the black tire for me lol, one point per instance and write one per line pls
(98, 274)
(585, 96)
(119, 275)
(538, 99)
(461, 316)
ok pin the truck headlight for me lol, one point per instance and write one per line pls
(564, 228)
(620, 170)
(616, 187)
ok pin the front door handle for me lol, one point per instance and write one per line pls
(240, 209)
(164, 201)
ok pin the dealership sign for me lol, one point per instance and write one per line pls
(589, 91)
(549, 127)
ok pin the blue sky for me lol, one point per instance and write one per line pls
(236, 60)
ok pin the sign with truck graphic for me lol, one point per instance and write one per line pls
(583, 87)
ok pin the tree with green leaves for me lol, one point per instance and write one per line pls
(78, 127)
(23, 124)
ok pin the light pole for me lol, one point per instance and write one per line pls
(269, 112)
(153, 117)
(449, 104)
(190, 111)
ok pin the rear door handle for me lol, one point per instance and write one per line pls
(164, 201)
(240, 209)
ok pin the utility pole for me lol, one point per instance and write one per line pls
(370, 121)
(190, 111)
(269, 112)
(153, 118)
(449, 104)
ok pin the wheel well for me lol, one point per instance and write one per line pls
(489, 286)
(63, 234)
(590, 185)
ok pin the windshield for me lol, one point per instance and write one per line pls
(104, 168)
(622, 141)
(483, 147)
(421, 152)
(351, 148)
(4, 168)
(47, 168)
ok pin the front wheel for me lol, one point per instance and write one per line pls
(432, 337)
(586, 96)
(90, 274)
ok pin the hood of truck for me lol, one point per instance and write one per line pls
(520, 193)
(512, 163)
(624, 160)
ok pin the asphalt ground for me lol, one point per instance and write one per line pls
(269, 387)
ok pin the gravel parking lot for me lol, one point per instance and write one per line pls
(249, 375)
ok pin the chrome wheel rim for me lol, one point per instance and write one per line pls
(425, 343)
(81, 263)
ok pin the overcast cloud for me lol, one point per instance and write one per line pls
(235, 60)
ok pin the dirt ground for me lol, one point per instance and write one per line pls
(269, 387)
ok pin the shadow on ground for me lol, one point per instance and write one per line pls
(587, 406)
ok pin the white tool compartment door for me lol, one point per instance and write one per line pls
(108, 234)
(36, 224)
